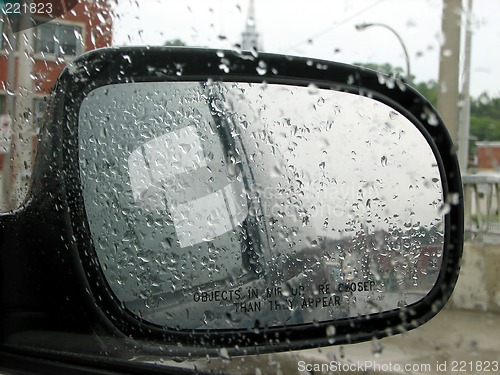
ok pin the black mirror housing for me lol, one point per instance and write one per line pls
(50, 249)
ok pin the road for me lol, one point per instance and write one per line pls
(454, 340)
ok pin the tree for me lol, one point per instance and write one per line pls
(386, 69)
(485, 128)
(174, 43)
(485, 118)
(428, 90)
(485, 111)
(485, 106)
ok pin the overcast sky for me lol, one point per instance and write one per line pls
(321, 29)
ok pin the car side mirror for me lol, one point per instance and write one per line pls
(216, 199)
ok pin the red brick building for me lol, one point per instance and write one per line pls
(488, 155)
(85, 27)
(29, 69)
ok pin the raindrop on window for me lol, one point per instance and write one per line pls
(330, 333)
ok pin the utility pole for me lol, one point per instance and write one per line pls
(23, 131)
(464, 115)
(449, 71)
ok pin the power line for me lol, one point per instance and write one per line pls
(334, 26)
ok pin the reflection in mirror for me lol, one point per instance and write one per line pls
(235, 205)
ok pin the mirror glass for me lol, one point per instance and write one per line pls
(238, 205)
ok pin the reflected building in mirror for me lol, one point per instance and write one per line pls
(402, 261)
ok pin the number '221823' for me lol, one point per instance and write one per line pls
(30, 8)
(479, 366)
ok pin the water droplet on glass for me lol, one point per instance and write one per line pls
(224, 355)
(262, 68)
(432, 119)
(393, 115)
(185, 147)
(411, 24)
(224, 68)
(454, 198)
(377, 347)
(224, 65)
(444, 209)
(330, 333)
(166, 243)
(254, 52)
(342, 352)
(312, 89)
(484, 99)
(101, 18)
(276, 172)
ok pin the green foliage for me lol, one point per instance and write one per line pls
(383, 68)
(429, 90)
(484, 106)
(485, 118)
(484, 128)
(485, 111)
(174, 43)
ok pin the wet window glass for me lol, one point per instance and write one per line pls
(205, 193)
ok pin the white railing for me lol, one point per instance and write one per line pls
(482, 206)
